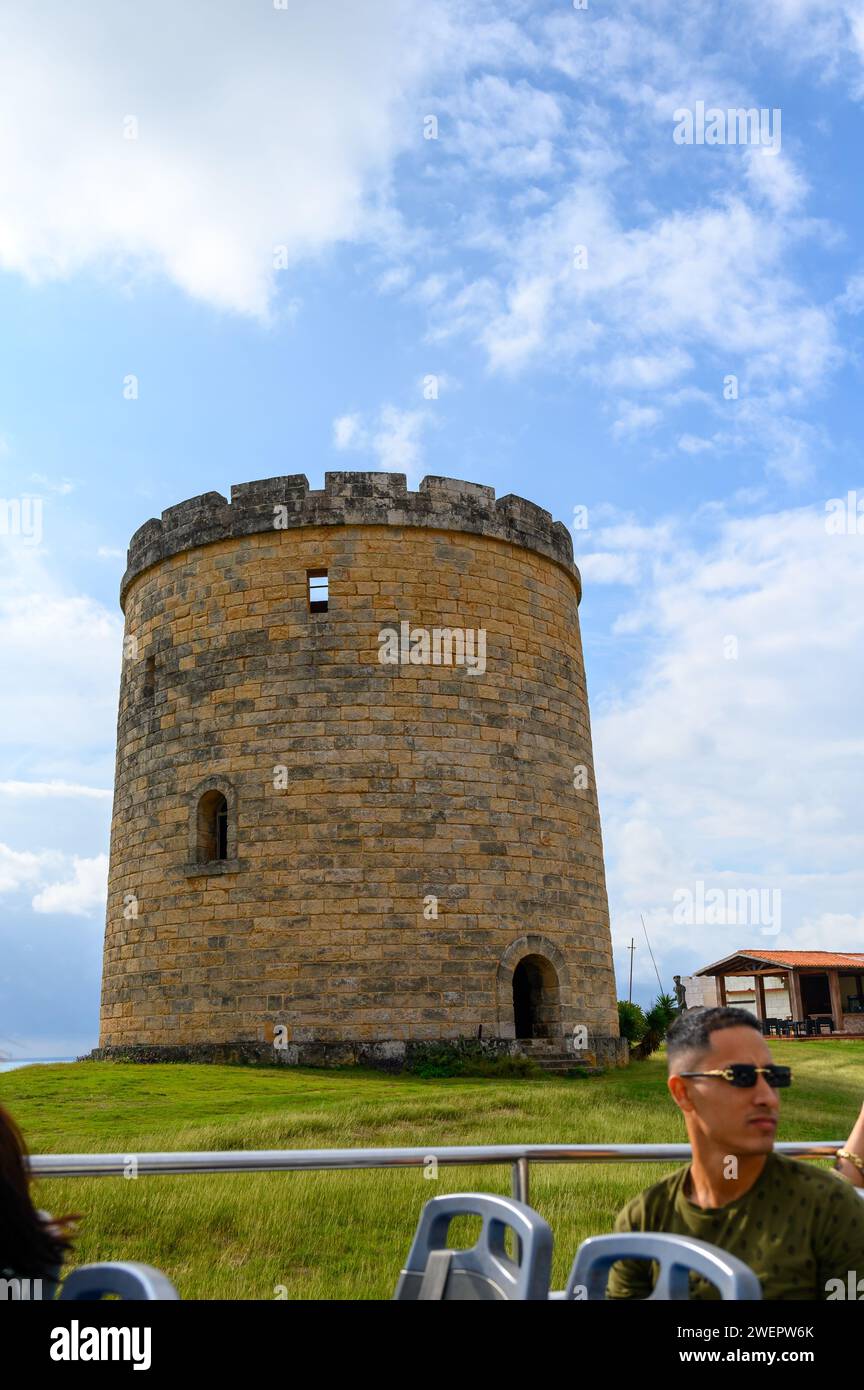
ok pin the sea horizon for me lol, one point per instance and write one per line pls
(12, 1063)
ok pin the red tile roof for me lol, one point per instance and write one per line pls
(811, 958)
(736, 963)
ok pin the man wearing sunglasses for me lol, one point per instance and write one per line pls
(797, 1226)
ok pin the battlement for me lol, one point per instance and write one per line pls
(347, 499)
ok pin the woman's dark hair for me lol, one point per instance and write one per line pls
(30, 1247)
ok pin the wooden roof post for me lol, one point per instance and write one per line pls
(836, 1001)
(796, 1006)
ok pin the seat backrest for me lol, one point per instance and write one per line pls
(485, 1271)
(123, 1278)
(675, 1255)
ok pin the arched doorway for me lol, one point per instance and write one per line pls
(543, 989)
(535, 998)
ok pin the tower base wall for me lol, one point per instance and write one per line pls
(386, 1054)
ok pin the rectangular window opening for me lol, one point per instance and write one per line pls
(317, 590)
(149, 677)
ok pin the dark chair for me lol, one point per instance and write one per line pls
(124, 1279)
(485, 1271)
(676, 1256)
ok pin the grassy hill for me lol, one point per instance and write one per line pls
(344, 1235)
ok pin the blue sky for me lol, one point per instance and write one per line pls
(282, 260)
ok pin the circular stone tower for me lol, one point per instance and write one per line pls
(355, 804)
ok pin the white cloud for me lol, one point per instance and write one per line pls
(696, 278)
(829, 35)
(397, 440)
(623, 533)
(288, 140)
(61, 659)
(650, 305)
(647, 372)
(257, 129)
(776, 179)
(508, 128)
(831, 931)
(635, 419)
(63, 486)
(789, 444)
(694, 444)
(61, 665)
(393, 437)
(711, 278)
(431, 288)
(605, 567)
(852, 299)
(624, 553)
(346, 431)
(36, 790)
(20, 869)
(741, 773)
(62, 656)
(82, 895)
(398, 277)
(519, 333)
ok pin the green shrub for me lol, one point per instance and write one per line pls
(500, 1067)
(632, 1024)
(465, 1057)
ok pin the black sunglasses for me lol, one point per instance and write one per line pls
(745, 1074)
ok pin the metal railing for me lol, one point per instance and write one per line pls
(518, 1156)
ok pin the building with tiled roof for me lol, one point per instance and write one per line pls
(813, 991)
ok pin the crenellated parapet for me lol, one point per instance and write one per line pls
(347, 499)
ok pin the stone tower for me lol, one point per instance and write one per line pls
(355, 803)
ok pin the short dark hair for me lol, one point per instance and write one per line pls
(691, 1031)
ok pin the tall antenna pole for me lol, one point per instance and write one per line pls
(651, 953)
(631, 948)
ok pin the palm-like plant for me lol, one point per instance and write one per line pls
(658, 1020)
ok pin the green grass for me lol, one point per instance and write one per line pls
(343, 1234)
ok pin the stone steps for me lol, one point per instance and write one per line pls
(549, 1058)
(563, 1066)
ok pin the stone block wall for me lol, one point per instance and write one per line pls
(358, 792)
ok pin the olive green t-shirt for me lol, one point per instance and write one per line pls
(796, 1228)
